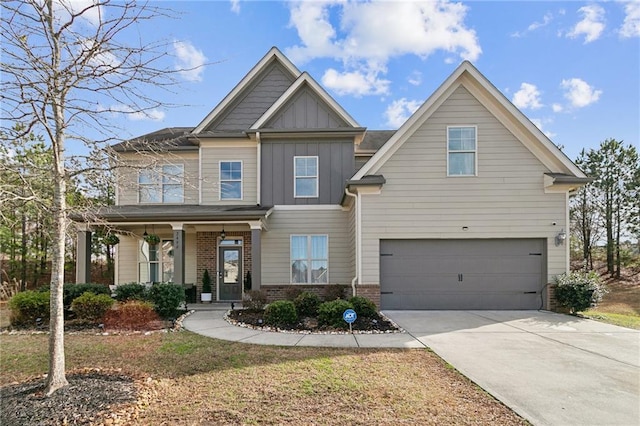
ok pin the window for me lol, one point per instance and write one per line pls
(309, 259)
(461, 151)
(156, 262)
(306, 177)
(163, 185)
(231, 180)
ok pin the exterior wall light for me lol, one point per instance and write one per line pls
(561, 237)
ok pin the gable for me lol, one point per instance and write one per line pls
(252, 102)
(306, 110)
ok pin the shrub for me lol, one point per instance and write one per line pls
(131, 315)
(27, 306)
(290, 293)
(307, 304)
(578, 290)
(330, 313)
(206, 282)
(254, 300)
(166, 298)
(91, 307)
(334, 292)
(364, 307)
(280, 313)
(73, 291)
(130, 291)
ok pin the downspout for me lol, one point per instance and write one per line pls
(258, 168)
(356, 206)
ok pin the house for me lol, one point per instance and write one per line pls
(465, 206)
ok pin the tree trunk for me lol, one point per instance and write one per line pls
(23, 253)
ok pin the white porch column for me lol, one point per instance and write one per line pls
(178, 253)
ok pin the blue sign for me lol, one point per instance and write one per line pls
(349, 316)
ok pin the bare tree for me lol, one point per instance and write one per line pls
(68, 67)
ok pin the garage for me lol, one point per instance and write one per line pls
(462, 274)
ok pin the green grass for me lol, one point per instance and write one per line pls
(623, 320)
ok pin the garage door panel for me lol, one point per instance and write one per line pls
(461, 274)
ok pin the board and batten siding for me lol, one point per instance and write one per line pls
(505, 200)
(276, 262)
(335, 166)
(127, 177)
(306, 111)
(211, 156)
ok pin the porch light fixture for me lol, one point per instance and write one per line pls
(223, 235)
(561, 237)
(145, 231)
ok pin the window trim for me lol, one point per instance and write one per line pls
(316, 177)
(309, 258)
(474, 151)
(159, 184)
(159, 261)
(220, 180)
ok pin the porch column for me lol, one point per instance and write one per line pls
(178, 254)
(83, 256)
(256, 259)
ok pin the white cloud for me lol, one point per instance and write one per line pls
(235, 6)
(356, 83)
(91, 11)
(579, 93)
(538, 124)
(399, 111)
(527, 97)
(592, 24)
(415, 79)
(153, 114)
(190, 61)
(631, 25)
(366, 35)
(546, 19)
(557, 108)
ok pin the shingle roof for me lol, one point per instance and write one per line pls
(185, 212)
(169, 138)
(374, 139)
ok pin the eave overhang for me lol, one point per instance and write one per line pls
(560, 182)
(181, 213)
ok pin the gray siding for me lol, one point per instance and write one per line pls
(335, 166)
(255, 100)
(306, 111)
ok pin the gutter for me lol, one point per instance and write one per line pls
(356, 278)
(259, 168)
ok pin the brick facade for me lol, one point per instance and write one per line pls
(370, 291)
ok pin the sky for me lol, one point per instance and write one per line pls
(572, 67)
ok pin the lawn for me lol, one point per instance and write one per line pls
(621, 306)
(190, 379)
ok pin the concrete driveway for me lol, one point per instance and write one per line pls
(552, 369)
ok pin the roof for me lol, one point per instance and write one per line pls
(374, 139)
(511, 117)
(183, 212)
(169, 138)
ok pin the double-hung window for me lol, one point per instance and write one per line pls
(462, 151)
(309, 259)
(161, 185)
(231, 180)
(155, 262)
(305, 177)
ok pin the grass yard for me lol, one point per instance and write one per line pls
(621, 306)
(190, 379)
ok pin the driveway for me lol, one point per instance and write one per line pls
(552, 369)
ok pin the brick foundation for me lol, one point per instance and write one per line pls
(552, 304)
(370, 291)
(279, 292)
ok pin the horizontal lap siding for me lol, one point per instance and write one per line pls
(284, 223)
(127, 252)
(211, 157)
(505, 200)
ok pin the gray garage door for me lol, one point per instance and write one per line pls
(462, 274)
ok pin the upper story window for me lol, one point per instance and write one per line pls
(309, 259)
(231, 180)
(161, 185)
(306, 177)
(462, 145)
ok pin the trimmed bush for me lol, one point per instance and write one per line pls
(579, 291)
(280, 313)
(254, 300)
(334, 292)
(130, 291)
(166, 298)
(364, 307)
(131, 315)
(91, 307)
(307, 304)
(73, 291)
(27, 306)
(330, 313)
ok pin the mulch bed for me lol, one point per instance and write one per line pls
(92, 397)
(255, 319)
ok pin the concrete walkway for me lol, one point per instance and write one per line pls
(552, 369)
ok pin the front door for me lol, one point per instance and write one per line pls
(230, 276)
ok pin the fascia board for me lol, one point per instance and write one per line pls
(266, 60)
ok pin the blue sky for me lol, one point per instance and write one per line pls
(572, 67)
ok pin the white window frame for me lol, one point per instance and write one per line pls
(159, 258)
(296, 177)
(309, 258)
(220, 180)
(159, 184)
(463, 151)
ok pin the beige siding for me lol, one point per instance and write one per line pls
(190, 247)
(276, 268)
(505, 200)
(211, 157)
(127, 254)
(127, 177)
